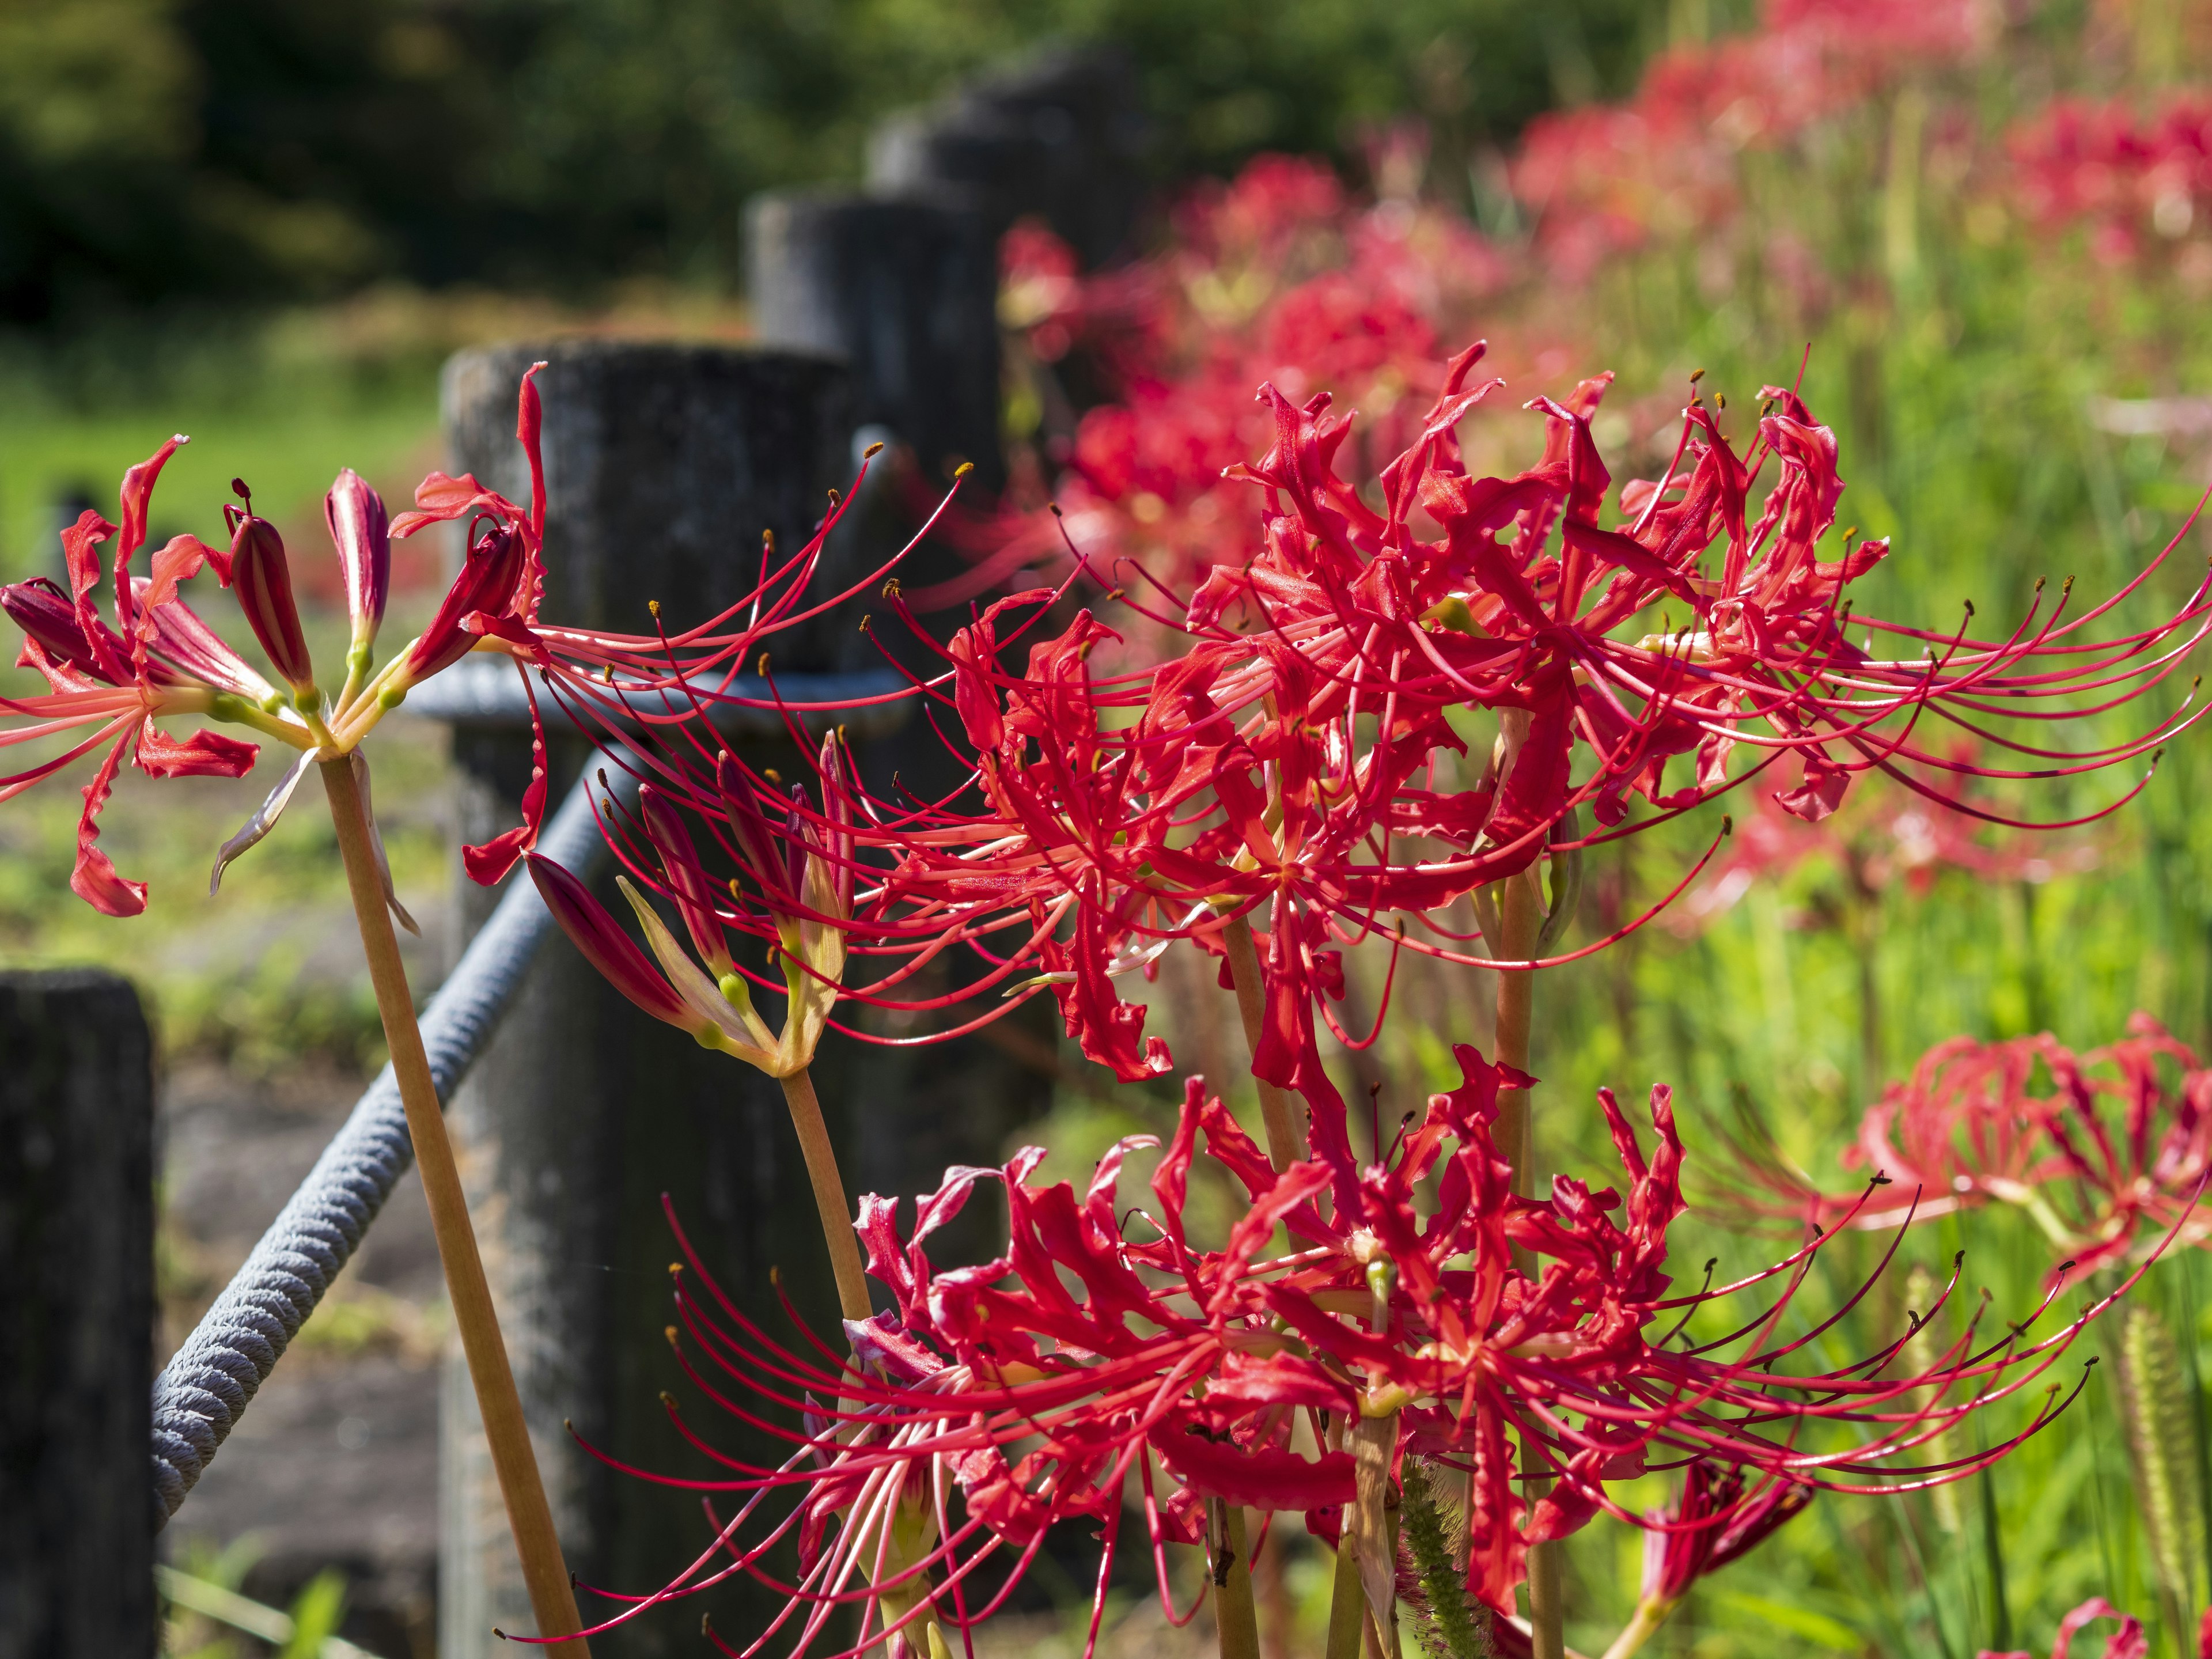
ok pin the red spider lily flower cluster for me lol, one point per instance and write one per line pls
(1278, 276)
(798, 899)
(1882, 837)
(2109, 1150)
(1292, 768)
(1710, 1525)
(2132, 178)
(159, 660)
(2128, 1642)
(1662, 166)
(1110, 1366)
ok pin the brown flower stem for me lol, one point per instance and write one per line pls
(1372, 1528)
(529, 1517)
(1347, 1601)
(1521, 913)
(1287, 1142)
(1234, 1619)
(828, 1195)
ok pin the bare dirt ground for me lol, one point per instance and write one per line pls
(335, 1464)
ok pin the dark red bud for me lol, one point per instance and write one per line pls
(749, 828)
(605, 945)
(487, 583)
(360, 530)
(43, 612)
(261, 576)
(687, 881)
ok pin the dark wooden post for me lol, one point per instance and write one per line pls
(1061, 136)
(905, 292)
(664, 464)
(76, 1285)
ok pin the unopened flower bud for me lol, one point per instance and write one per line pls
(261, 577)
(487, 583)
(360, 530)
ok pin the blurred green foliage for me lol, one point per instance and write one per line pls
(156, 150)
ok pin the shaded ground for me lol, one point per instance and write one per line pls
(335, 1464)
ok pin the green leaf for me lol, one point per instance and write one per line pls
(1799, 1621)
(316, 1615)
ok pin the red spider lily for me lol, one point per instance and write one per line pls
(1711, 1525)
(2117, 172)
(1276, 276)
(1290, 766)
(158, 658)
(2127, 1641)
(2108, 1151)
(1087, 1373)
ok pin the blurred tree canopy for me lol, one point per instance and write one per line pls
(153, 150)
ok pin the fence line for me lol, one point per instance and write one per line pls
(213, 1377)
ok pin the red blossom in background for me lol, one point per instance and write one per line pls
(2117, 171)
(2108, 1150)
(1882, 836)
(1662, 165)
(1278, 276)
(2128, 1642)
(1063, 1379)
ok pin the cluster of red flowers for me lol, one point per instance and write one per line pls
(1291, 775)
(2109, 1151)
(1291, 770)
(1285, 784)
(2120, 173)
(159, 660)
(1277, 276)
(1089, 1373)
(1662, 166)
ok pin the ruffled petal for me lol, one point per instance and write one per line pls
(95, 880)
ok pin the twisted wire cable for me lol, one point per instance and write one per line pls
(210, 1381)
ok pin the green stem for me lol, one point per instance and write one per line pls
(1286, 1143)
(828, 1195)
(1523, 912)
(530, 1517)
(1346, 1606)
(1234, 1617)
(1650, 1615)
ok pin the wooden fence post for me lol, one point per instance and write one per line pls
(906, 292)
(1061, 136)
(664, 463)
(76, 1318)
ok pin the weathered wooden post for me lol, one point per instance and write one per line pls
(664, 464)
(76, 1318)
(905, 290)
(1061, 136)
